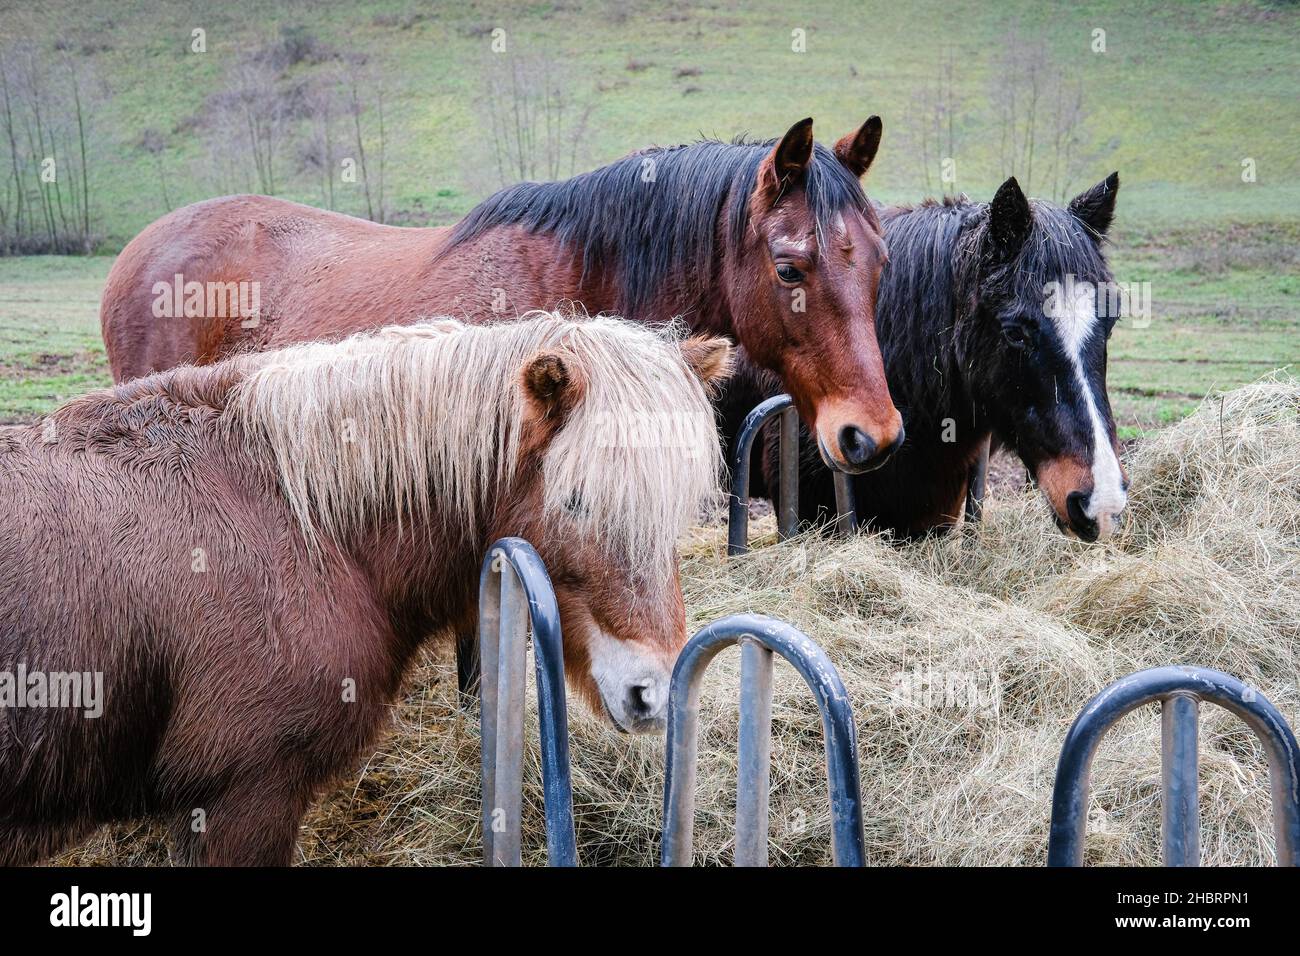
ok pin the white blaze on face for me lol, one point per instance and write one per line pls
(1075, 324)
(633, 684)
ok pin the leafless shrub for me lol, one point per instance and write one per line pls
(1042, 118)
(934, 113)
(402, 21)
(246, 121)
(364, 86)
(295, 45)
(637, 66)
(618, 12)
(536, 125)
(318, 152)
(46, 129)
(154, 143)
(684, 71)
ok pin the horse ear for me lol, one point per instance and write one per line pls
(856, 150)
(551, 381)
(710, 358)
(1095, 208)
(790, 157)
(1010, 219)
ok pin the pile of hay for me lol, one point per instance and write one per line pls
(966, 658)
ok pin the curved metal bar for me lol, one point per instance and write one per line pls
(787, 507)
(1178, 689)
(757, 633)
(846, 503)
(977, 484)
(515, 594)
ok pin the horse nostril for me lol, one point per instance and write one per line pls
(643, 700)
(1085, 527)
(856, 446)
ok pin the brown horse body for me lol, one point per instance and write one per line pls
(199, 540)
(774, 245)
(319, 275)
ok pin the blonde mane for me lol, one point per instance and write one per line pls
(382, 423)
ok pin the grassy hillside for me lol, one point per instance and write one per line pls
(1182, 94)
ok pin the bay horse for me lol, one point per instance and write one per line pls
(773, 244)
(248, 555)
(993, 321)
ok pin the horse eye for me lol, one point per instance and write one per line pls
(1016, 336)
(788, 273)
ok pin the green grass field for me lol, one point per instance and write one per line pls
(50, 348)
(1208, 331)
(1183, 93)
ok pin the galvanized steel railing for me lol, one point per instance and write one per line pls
(759, 637)
(1179, 690)
(977, 484)
(787, 505)
(515, 595)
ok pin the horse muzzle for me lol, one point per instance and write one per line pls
(858, 452)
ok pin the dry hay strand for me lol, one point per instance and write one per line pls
(966, 658)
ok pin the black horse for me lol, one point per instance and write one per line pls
(993, 321)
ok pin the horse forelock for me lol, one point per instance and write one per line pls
(387, 422)
(654, 215)
(938, 274)
(639, 457)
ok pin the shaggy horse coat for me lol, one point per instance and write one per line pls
(993, 321)
(773, 244)
(250, 554)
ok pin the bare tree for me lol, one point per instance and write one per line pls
(45, 128)
(318, 152)
(364, 103)
(248, 119)
(535, 124)
(355, 111)
(81, 144)
(934, 111)
(155, 144)
(1039, 107)
(15, 221)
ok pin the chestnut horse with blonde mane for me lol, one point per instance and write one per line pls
(249, 554)
(772, 244)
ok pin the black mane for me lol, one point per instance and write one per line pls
(930, 287)
(647, 232)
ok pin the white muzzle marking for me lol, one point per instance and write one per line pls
(1106, 503)
(633, 684)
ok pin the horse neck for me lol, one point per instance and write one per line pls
(423, 576)
(922, 360)
(417, 573)
(512, 259)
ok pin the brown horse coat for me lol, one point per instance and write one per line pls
(772, 244)
(240, 581)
